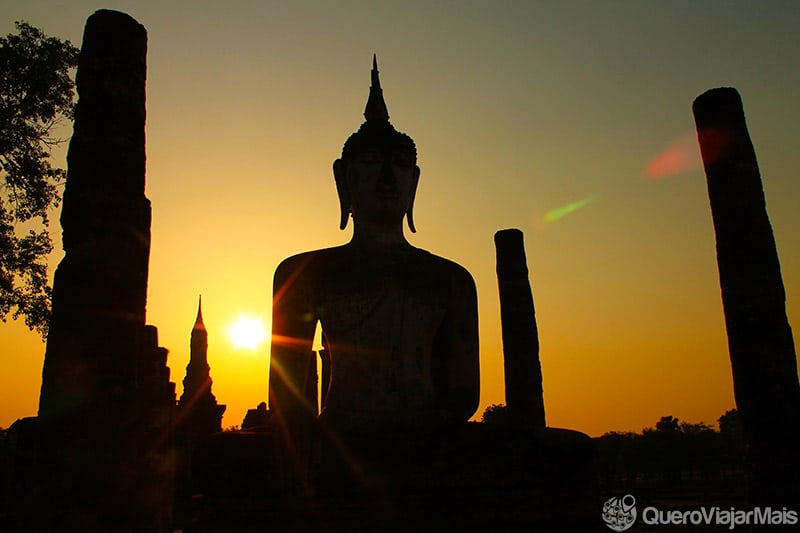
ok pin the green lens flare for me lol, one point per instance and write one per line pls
(555, 214)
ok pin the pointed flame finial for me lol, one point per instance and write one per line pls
(198, 323)
(376, 107)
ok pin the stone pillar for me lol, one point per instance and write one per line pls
(100, 287)
(760, 341)
(523, 371)
(106, 401)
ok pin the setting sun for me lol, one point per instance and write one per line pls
(248, 332)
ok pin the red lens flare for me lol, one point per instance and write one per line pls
(682, 155)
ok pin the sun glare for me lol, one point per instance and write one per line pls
(247, 332)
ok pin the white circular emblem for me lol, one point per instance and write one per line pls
(619, 514)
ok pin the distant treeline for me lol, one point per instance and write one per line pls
(671, 458)
(675, 455)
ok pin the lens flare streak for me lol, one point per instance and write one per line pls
(683, 155)
(561, 212)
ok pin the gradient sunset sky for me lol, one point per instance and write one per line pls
(569, 120)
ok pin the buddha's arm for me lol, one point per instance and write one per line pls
(459, 342)
(291, 392)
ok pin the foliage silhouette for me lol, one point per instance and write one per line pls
(36, 95)
(668, 423)
(674, 455)
(730, 425)
(495, 414)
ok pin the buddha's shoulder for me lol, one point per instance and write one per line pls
(309, 261)
(440, 264)
(321, 262)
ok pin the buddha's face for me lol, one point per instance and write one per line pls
(380, 184)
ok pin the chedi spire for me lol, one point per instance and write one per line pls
(198, 411)
(198, 322)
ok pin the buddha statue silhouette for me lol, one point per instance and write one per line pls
(399, 324)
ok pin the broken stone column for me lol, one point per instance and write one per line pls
(100, 287)
(760, 341)
(523, 371)
(106, 402)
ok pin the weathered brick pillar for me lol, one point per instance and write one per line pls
(104, 410)
(523, 371)
(760, 341)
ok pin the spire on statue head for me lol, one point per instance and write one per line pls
(377, 130)
(198, 323)
(376, 111)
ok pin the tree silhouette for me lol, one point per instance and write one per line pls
(668, 423)
(673, 455)
(36, 95)
(695, 429)
(730, 425)
(495, 414)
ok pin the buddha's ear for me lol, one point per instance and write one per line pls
(410, 212)
(342, 191)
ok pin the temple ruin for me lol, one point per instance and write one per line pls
(106, 405)
(523, 370)
(760, 340)
(199, 414)
(389, 443)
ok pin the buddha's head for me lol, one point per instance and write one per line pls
(377, 175)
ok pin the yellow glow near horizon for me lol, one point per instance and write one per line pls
(248, 332)
(626, 287)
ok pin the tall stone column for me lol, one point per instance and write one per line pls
(523, 370)
(106, 401)
(760, 341)
(100, 287)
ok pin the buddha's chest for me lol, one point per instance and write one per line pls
(379, 301)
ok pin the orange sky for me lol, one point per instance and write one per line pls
(517, 109)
